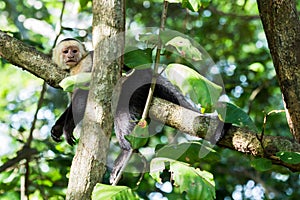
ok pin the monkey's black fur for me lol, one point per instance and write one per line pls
(130, 106)
(67, 122)
(131, 103)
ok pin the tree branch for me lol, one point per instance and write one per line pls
(29, 59)
(235, 138)
(193, 123)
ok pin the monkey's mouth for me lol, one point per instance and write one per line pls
(71, 62)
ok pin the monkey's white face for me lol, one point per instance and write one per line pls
(71, 55)
(67, 54)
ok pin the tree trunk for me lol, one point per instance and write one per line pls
(89, 163)
(282, 27)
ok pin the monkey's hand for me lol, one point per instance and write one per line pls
(56, 132)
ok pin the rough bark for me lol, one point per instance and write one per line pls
(282, 37)
(89, 163)
(29, 59)
(239, 139)
(235, 138)
(282, 27)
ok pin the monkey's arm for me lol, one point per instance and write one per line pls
(67, 122)
(64, 125)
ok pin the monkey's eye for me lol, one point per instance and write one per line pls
(65, 51)
(74, 51)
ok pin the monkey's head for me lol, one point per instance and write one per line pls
(68, 53)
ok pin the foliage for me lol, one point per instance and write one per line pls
(192, 84)
(68, 84)
(196, 183)
(231, 33)
(289, 157)
(102, 191)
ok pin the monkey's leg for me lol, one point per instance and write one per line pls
(64, 125)
(57, 129)
(69, 127)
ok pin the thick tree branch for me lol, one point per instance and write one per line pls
(29, 59)
(25, 153)
(239, 139)
(235, 138)
(282, 27)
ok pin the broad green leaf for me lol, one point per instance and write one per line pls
(194, 85)
(138, 58)
(196, 183)
(257, 67)
(193, 5)
(157, 166)
(191, 153)
(261, 164)
(139, 136)
(102, 191)
(69, 83)
(151, 39)
(236, 116)
(185, 48)
(83, 3)
(289, 157)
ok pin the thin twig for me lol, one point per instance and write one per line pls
(265, 123)
(60, 22)
(157, 62)
(152, 87)
(39, 105)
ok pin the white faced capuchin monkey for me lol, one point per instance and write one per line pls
(71, 55)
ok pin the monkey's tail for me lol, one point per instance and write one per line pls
(119, 166)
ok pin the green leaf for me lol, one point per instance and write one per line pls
(261, 164)
(139, 136)
(184, 48)
(196, 183)
(69, 83)
(289, 157)
(191, 153)
(257, 67)
(138, 58)
(236, 116)
(193, 5)
(83, 3)
(102, 191)
(194, 85)
(151, 39)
